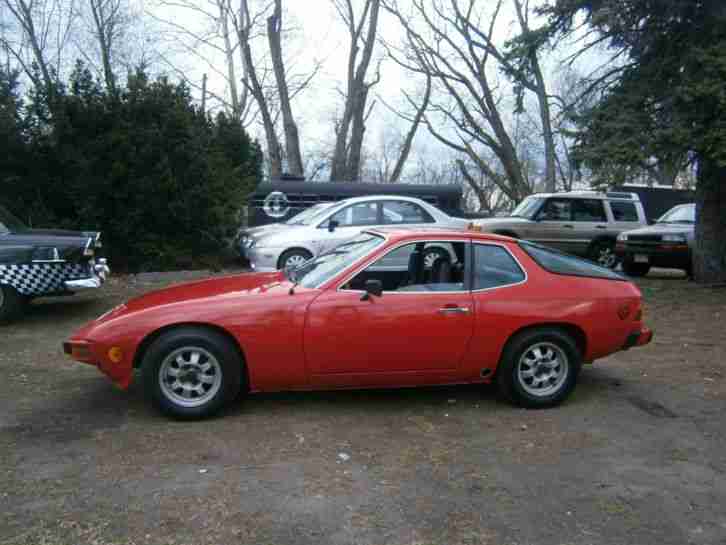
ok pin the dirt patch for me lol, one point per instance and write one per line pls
(636, 456)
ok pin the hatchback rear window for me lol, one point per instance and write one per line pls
(560, 263)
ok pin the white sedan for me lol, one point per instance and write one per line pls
(282, 249)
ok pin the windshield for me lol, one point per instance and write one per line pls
(314, 273)
(685, 213)
(9, 223)
(308, 215)
(528, 207)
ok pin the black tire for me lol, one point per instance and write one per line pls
(516, 389)
(434, 253)
(11, 304)
(636, 270)
(225, 361)
(295, 252)
(602, 252)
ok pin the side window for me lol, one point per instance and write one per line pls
(588, 210)
(404, 212)
(556, 210)
(560, 263)
(357, 215)
(494, 266)
(624, 211)
(407, 268)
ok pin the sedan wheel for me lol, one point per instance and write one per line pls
(539, 367)
(293, 259)
(11, 303)
(192, 372)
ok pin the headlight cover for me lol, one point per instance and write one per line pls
(681, 239)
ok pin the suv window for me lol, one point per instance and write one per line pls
(365, 213)
(556, 210)
(559, 263)
(404, 212)
(588, 210)
(494, 267)
(624, 211)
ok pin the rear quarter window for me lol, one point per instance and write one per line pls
(624, 211)
(559, 263)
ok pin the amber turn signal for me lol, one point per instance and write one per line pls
(115, 354)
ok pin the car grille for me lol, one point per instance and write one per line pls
(644, 238)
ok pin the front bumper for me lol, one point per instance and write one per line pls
(638, 338)
(99, 271)
(658, 255)
(264, 259)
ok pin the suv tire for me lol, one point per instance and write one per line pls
(602, 252)
(11, 303)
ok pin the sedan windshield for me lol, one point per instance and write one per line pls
(685, 213)
(527, 208)
(309, 214)
(9, 223)
(316, 272)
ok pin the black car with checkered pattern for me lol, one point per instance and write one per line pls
(42, 262)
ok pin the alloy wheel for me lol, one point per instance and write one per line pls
(190, 376)
(542, 369)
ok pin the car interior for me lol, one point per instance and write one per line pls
(405, 269)
(440, 267)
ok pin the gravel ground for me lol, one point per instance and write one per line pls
(636, 456)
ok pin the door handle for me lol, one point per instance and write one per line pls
(454, 310)
(568, 226)
(600, 227)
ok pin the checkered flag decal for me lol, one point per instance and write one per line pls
(40, 278)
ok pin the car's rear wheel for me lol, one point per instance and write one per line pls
(192, 372)
(603, 253)
(11, 303)
(539, 368)
(636, 269)
(293, 258)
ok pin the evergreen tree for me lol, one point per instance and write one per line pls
(668, 101)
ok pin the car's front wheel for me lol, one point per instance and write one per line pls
(11, 303)
(636, 270)
(192, 372)
(293, 258)
(539, 368)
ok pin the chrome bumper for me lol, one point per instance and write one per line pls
(99, 272)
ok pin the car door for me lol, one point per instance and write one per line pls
(402, 331)
(349, 221)
(554, 226)
(590, 221)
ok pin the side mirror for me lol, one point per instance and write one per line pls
(652, 221)
(373, 287)
(332, 224)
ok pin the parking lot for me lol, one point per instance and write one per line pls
(636, 456)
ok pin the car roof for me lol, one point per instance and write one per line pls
(609, 196)
(365, 198)
(403, 233)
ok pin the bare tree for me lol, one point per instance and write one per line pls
(37, 35)
(453, 42)
(292, 140)
(107, 20)
(350, 129)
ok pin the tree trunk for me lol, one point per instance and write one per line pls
(229, 60)
(709, 256)
(292, 140)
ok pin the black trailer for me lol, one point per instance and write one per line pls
(279, 200)
(657, 201)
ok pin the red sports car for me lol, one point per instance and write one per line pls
(372, 314)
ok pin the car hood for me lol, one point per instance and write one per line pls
(244, 283)
(260, 230)
(289, 233)
(663, 229)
